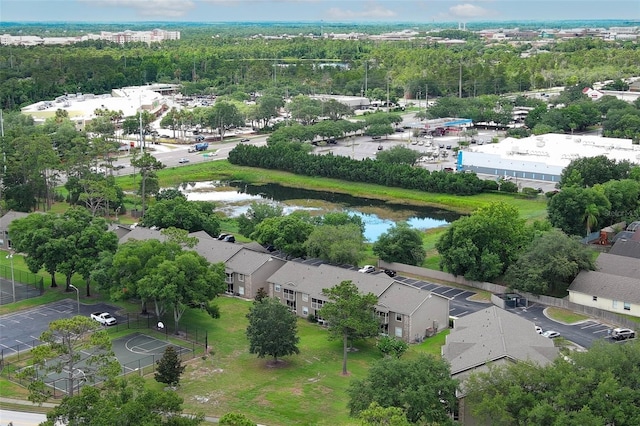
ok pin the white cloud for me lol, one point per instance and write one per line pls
(149, 8)
(468, 11)
(375, 12)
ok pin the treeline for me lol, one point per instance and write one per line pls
(230, 64)
(294, 158)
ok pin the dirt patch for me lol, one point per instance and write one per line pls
(276, 364)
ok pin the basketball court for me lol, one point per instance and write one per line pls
(134, 352)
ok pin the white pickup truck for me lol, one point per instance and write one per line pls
(104, 318)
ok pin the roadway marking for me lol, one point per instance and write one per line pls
(590, 325)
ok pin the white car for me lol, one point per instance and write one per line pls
(538, 329)
(367, 269)
(551, 334)
(183, 160)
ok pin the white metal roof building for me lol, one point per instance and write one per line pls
(542, 157)
(81, 107)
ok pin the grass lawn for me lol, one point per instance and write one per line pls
(306, 389)
(564, 315)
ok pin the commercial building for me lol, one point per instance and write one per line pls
(542, 157)
(81, 107)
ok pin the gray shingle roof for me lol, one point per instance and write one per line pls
(140, 233)
(595, 283)
(492, 334)
(213, 250)
(404, 299)
(622, 266)
(627, 247)
(312, 279)
(247, 261)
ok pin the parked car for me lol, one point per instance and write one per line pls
(376, 137)
(183, 160)
(229, 239)
(551, 334)
(245, 140)
(538, 329)
(222, 236)
(199, 138)
(104, 318)
(119, 167)
(367, 269)
(622, 334)
(390, 272)
(380, 147)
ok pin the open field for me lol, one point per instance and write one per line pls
(307, 389)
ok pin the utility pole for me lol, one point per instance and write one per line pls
(141, 134)
(388, 109)
(460, 82)
(426, 96)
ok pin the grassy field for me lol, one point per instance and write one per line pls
(306, 389)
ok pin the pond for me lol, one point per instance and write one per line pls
(235, 198)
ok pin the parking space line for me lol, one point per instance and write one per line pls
(600, 331)
(590, 325)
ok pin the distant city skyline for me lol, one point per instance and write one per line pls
(370, 11)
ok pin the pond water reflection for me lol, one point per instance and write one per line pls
(235, 198)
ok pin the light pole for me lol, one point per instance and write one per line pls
(13, 281)
(73, 287)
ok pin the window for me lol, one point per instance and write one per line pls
(316, 303)
(398, 317)
(277, 288)
(229, 288)
(305, 297)
(241, 291)
(228, 278)
(398, 331)
(595, 298)
(615, 304)
(384, 317)
(241, 278)
(305, 311)
(627, 306)
(289, 294)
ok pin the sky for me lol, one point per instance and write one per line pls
(425, 11)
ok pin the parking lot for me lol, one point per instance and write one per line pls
(20, 331)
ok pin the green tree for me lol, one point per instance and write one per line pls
(272, 329)
(339, 244)
(256, 213)
(566, 209)
(399, 155)
(222, 116)
(423, 387)
(180, 213)
(77, 346)
(147, 165)
(377, 415)
(169, 368)
(286, 233)
(594, 170)
(549, 264)
(590, 217)
(351, 315)
(269, 107)
(401, 244)
(482, 246)
(235, 419)
(125, 402)
(595, 387)
(392, 346)
(304, 109)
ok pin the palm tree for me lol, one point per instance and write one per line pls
(590, 217)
